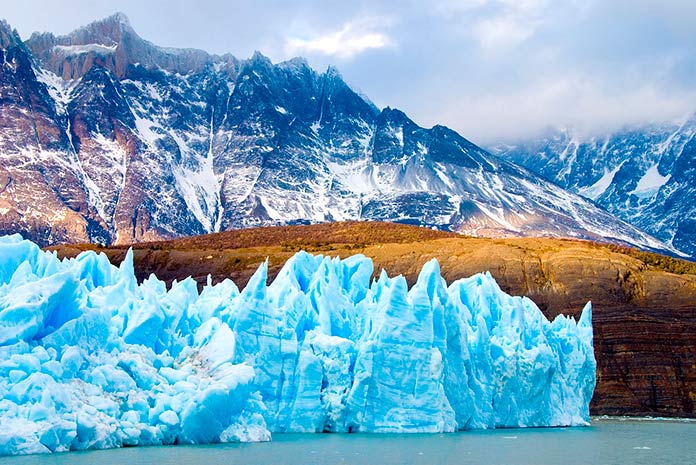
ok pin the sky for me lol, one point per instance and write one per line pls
(493, 70)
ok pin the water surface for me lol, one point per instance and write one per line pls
(605, 442)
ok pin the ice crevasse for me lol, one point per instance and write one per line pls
(90, 358)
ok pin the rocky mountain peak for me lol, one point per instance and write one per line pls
(147, 142)
(113, 43)
(333, 73)
(8, 36)
(109, 31)
(120, 18)
(258, 62)
(299, 63)
(393, 116)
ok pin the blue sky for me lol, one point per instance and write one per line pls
(494, 70)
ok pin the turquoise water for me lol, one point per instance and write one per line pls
(605, 442)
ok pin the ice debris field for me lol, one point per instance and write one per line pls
(91, 359)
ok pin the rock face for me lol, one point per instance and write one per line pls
(113, 44)
(109, 138)
(644, 175)
(42, 189)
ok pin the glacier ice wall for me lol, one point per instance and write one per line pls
(89, 358)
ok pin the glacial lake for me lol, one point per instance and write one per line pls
(606, 442)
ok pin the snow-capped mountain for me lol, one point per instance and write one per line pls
(107, 137)
(644, 175)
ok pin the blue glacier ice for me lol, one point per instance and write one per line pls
(90, 358)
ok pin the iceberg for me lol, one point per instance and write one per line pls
(90, 358)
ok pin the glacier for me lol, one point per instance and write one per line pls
(90, 358)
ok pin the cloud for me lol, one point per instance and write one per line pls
(501, 25)
(503, 32)
(569, 101)
(354, 38)
(450, 7)
(509, 22)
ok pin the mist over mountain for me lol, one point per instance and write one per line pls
(645, 175)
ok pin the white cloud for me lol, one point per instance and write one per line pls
(503, 32)
(354, 38)
(497, 25)
(514, 22)
(569, 101)
(450, 7)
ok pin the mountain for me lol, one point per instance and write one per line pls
(645, 175)
(106, 137)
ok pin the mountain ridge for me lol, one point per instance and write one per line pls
(113, 43)
(644, 174)
(139, 151)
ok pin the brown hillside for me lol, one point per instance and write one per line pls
(644, 312)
